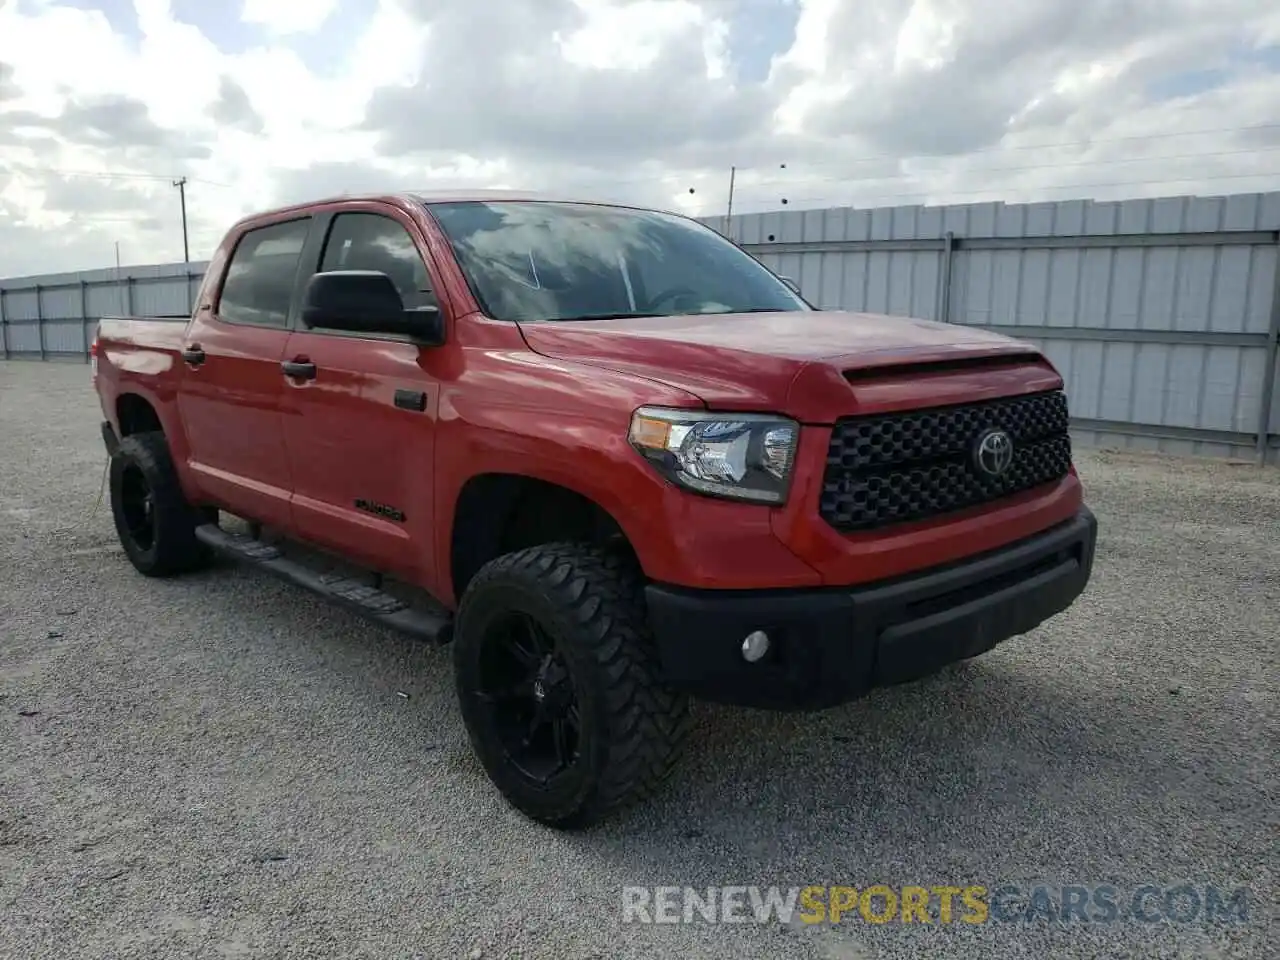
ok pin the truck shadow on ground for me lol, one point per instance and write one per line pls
(915, 779)
(981, 763)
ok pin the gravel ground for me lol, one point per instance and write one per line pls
(224, 766)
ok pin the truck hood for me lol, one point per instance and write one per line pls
(808, 365)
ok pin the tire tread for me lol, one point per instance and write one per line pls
(600, 592)
(177, 549)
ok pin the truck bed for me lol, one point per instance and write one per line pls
(140, 352)
(144, 333)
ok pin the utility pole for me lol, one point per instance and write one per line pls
(181, 184)
(119, 286)
(728, 219)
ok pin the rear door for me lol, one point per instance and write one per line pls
(233, 386)
(360, 432)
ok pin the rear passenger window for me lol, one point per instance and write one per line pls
(369, 241)
(260, 278)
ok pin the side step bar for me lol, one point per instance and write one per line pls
(362, 598)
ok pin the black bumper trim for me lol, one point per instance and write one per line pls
(109, 438)
(832, 645)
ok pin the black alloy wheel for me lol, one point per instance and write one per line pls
(560, 686)
(529, 690)
(137, 504)
(155, 523)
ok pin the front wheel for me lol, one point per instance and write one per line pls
(557, 677)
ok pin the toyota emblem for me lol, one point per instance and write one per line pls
(993, 453)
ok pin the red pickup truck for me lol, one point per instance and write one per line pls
(605, 453)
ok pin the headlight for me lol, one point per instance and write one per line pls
(746, 456)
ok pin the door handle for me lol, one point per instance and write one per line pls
(299, 369)
(193, 355)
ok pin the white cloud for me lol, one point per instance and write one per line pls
(287, 16)
(926, 39)
(630, 37)
(874, 102)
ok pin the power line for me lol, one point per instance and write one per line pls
(1154, 158)
(983, 151)
(822, 164)
(825, 164)
(871, 200)
(1002, 148)
(97, 174)
(925, 194)
(851, 181)
(109, 174)
(752, 186)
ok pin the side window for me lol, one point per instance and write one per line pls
(260, 277)
(369, 241)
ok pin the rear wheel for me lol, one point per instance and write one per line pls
(155, 523)
(558, 683)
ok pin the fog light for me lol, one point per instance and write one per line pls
(755, 646)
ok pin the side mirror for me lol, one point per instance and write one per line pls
(792, 286)
(366, 301)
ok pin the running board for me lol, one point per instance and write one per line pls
(368, 601)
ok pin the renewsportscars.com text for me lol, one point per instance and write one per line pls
(938, 904)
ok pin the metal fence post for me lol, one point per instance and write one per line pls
(1272, 356)
(84, 317)
(944, 277)
(128, 296)
(40, 319)
(4, 326)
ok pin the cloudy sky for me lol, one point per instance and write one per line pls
(819, 102)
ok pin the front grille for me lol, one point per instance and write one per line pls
(901, 467)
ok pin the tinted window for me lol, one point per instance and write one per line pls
(566, 261)
(260, 278)
(367, 241)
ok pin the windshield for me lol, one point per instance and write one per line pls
(534, 260)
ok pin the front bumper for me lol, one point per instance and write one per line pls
(829, 646)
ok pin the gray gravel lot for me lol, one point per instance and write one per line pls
(223, 766)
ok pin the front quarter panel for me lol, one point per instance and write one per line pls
(511, 411)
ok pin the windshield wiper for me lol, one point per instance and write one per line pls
(607, 316)
(724, 313)
(633, 315)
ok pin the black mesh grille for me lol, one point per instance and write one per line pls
(912, 466)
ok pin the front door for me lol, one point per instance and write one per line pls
(360, 429)
(231, 392)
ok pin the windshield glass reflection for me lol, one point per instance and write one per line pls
(536, 260)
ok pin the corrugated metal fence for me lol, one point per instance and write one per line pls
(1163, 315)
(52, 317)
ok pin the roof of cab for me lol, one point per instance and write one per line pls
(428, 197)
(444, 196)
(455, 196)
